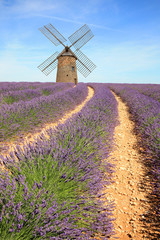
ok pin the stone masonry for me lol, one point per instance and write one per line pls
(67, 70)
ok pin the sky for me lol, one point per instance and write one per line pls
(125, 47)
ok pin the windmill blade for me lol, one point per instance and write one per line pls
(52, 34)
(49, 64)
(84, 65)
(81, 37)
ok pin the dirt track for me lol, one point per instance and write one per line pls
(128, 174)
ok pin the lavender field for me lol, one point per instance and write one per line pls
(52, 188)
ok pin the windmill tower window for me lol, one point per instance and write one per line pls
(73, 68)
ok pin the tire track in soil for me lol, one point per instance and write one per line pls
(30, 138)
(130, 199)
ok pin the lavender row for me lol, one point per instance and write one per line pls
(150, 90)
(25, 116)
(55, 188)
(9, 97)
(146, 112)
(15, 86)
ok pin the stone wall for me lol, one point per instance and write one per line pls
(67, 70)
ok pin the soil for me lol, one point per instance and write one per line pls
(126, 191)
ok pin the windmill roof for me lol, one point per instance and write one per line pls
(67, 52)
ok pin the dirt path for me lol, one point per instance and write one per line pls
(129, 197)
(32, 137)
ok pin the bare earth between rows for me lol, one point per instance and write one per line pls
(129, 197)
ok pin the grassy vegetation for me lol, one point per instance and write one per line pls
(52, 191)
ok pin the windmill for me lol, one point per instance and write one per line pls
(68, 61)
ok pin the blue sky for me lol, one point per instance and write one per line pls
(125, 48)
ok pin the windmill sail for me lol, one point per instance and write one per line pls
(67, 60)
(84, 65)
(52, 34)
(49, 64)
(81, 37)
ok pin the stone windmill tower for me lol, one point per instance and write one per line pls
(68, 61)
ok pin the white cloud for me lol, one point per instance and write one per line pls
(14, 44)
(44, 9)
(59, 18)
(34, 5)
(78, 22)
(126, 62)
(131, 56)
(12, 69)
(27, 8)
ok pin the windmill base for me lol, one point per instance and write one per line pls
(67, 70)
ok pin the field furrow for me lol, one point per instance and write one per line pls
(129, 172)
(145, 112)
(33, 137)
(20, 118)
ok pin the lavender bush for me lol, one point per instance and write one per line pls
(54, 190)
(24, 116)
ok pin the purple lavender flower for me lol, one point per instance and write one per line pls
(76, 152)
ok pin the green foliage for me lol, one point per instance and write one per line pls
(45, 92)
(9, 99)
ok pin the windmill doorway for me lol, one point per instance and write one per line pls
(75, 81)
